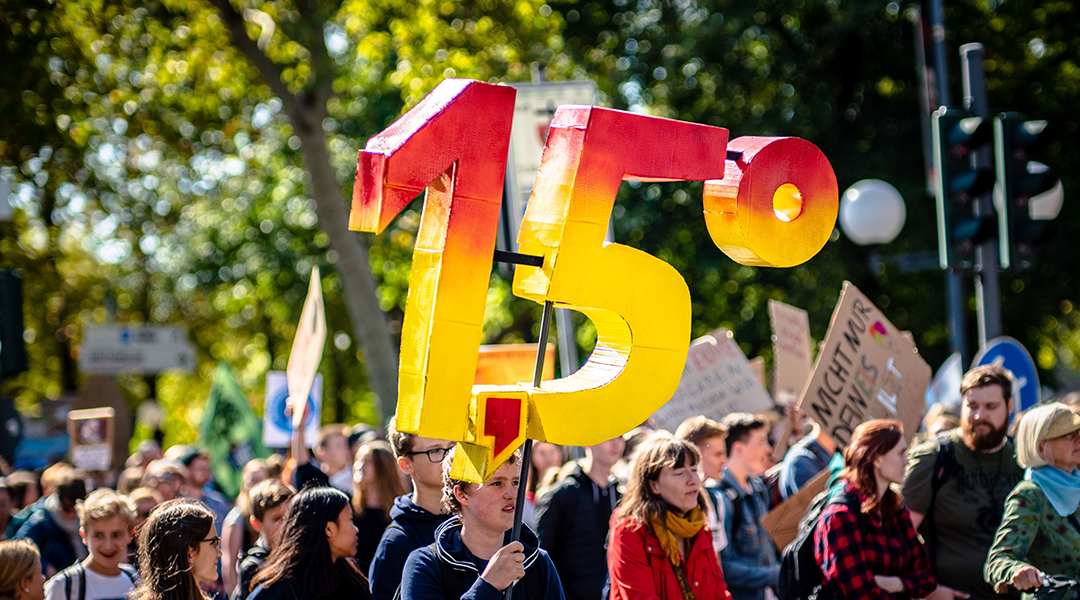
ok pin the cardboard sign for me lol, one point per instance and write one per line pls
(501, 364)
(277, 423)
(866, 370)
(307, 346)
(716, 380)
(792, 346)
(92, 432)
(782, 522)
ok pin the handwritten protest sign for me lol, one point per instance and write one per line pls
(782, 522)
(717, 380)
(791, 345)
(866, 370)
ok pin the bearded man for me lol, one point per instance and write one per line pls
(956, 484)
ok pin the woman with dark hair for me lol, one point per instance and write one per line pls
(376, 484)
(178, 550)
(660, 547)
(314, 556)
(865, 542)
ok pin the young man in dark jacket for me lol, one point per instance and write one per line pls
(572, 519)
(416, 515)
(55, 526)
(472, 557)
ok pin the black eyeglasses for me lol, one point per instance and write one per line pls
(215, 542)
(435, 455)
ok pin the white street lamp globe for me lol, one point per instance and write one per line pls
(872, 212)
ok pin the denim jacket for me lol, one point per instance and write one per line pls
(749, 560)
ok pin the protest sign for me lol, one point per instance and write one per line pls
(502, 364)
(307, 346)
(866, 370)
(91, 431)
(277, 424)
(782, 522)
(717, 380)
(792, 346)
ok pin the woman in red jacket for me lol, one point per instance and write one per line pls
(660, 548)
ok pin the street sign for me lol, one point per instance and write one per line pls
(308, 345)
(534, 107)
(139, 349)
(1012, 355)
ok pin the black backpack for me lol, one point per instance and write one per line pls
(800, 575)
(75, 580)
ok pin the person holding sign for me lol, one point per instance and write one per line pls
(1040, 532)
(472, 556)
(660, 547)
(874, 553)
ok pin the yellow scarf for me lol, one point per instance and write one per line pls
(677, 527)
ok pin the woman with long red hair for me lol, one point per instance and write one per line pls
(865, 542)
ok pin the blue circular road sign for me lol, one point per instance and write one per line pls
(1012, 355)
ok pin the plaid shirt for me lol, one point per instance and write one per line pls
(851, 556)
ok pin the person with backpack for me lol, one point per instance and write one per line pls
(268, 502)
(179, 550)
(105, 523)
(472, 557)
(866, 545)
(660, 547)
(959, 481)
(416, 515)
(1040, 532)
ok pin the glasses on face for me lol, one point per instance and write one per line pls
(435, 455)
(215, 542)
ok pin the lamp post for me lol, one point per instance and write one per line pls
(872, 212)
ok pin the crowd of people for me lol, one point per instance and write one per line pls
(967, 511)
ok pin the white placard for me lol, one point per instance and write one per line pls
(277, 425)
(139, 349)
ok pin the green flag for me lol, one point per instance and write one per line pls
(231, 433)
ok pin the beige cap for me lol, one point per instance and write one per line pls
(1065, 423)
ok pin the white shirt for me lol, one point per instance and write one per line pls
(98, 587)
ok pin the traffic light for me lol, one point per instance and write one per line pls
(958, 135)
(1027, 194)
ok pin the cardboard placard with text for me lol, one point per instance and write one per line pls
(791, 345)
(782, 522)
(866, 370)
(92, 431)
(717, 380)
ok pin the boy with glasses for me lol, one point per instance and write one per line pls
(416, 515)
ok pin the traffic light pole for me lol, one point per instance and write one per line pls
(954, 286)
(987, 292)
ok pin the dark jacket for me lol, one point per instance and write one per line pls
(291, 590)
(572, 522)
(56, 546)
(412, 527)
(249, 564)
(423, 578)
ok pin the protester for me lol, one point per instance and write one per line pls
(709, 437)
(1040, 531)
(959, 482)
(168, 477)
(804, 460)
(178, 551)
(20, 571)
(660, 547)
(314, 556)
(143, 500)
(572, 520)
(332, 451)
(268, 502)
(238, 535)
(376, 484)
(24, 488)
(54, 525)
(749, 560)
(545, 457)
(416, 515)
(472, 555)
(105, 524)
(878, 553)
(199, 483)
(37, 490)
(130, 478)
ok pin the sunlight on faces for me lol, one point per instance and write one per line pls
(34, 584)
(713, 457)
(419, 467)
(1062, 452)
(609, 452)
(271, 523)
(754, 451)
(107, 541)
(341, 535)
(204, 558)
(678, 486)
(891, 465)
(984, 417)
(546, 456)
(335, 454)
(490, 505)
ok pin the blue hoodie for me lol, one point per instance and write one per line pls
(423, 573)
(412, 527)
